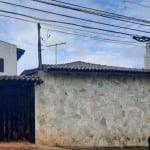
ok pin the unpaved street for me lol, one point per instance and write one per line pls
(25, 146)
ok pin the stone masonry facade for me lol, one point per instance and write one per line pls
(92, 110)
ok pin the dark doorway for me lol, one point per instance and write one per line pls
(17, 112)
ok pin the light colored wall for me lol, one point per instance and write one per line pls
(93, 110)
(147, 56)
(147, 61)
(8, 53)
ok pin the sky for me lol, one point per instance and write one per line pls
(24, 34)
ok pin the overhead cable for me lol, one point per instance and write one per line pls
(72, 17)
(137, 4)
(97, 12)
(77, 29)
(26, 20)
(108, 40)
(67, 23)
(62, 27)
(95, 38)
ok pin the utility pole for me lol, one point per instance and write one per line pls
(39, 47)
(56, 49)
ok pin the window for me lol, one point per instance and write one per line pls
(1, 65)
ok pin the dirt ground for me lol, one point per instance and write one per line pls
(110, 148)
(27, 146)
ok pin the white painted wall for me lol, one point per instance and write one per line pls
(9, 53)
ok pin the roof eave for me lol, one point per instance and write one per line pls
(21, 79)
(20, 52)
(114, 72)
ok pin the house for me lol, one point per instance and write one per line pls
(76, 104)
(84, 104)
(9, 55)
(17, 98)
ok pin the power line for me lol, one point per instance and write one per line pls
(16, 18)
(70, 4)
(102, 53)
(61, 22)
(52, 25)
(49, 25)
(76, 29)
(65, 27)
(92, 9)
(67, 23)
(95, 38)
(56, 26)
(72, 17)
(23, 15)
(137, 4)
(97, 12)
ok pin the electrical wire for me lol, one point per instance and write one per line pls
(108, 40)
(137, 4)
(97, 12)
(72, 17)
(77, 29)
(26, 20)
(67, 23)
(43, 20)
(123, 16)
(71, 4)
(62, 27)
(95, 38)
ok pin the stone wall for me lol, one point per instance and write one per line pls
(92, 110)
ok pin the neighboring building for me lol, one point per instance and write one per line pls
(17, 98)
(83, 104)
(9, 55)
(17, 108)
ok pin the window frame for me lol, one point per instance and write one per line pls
(1, 65)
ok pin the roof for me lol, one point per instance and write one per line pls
(20, 52)
(22, 78)
(84, 67)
